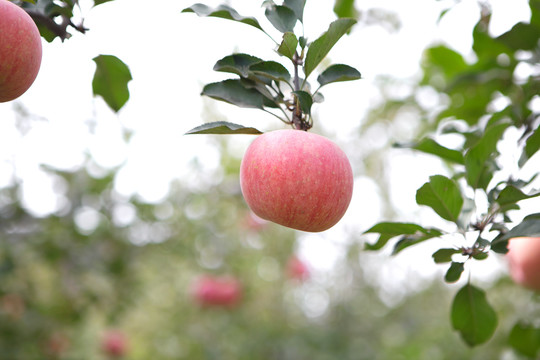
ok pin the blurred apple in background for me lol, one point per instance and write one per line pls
(114, 344)
(297, 269)
(524, 261)
(213, 291)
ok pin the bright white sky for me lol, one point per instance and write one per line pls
(171, 56)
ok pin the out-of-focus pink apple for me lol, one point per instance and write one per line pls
(296, 179)
(20, 51)
(223, 291)
(524, 261)
(114, 344)
(297, 269)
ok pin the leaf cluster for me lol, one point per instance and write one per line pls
(470, 89)
(269, 85)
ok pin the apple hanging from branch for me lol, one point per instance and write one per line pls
(20, 51)
(291, 177)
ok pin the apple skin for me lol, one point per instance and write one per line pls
(212, 291)
(20, 51)
(524, 261)
(114, 343)
(296, 179)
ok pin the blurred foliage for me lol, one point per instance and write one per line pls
(104, 262)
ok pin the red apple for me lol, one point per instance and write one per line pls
(114, 343)
(524, 261)
(297, 269)
(296, 179)
(217, 291)
(20, 51)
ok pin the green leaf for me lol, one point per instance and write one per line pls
(224, 12)
(529, 227)
(414, 239)
(223, 127)
(338, 72)
(272, 70)
(454, 272)
(283, 18)
(532, 145)
(111, 81)
(288, 45)
(297, 6)
(430, 146)
(318, 50)
(388, 230)
(443, 196)
(234, 92)
(525, 339)
(479, 168)
(473, 316)
(345, 9)
(305, 99)
(511, 195)
(237, 64)
(99, 2)
(444, 255)
(522, 36)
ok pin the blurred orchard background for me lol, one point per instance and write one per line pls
(109, 220)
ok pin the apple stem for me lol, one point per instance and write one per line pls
(298, 118)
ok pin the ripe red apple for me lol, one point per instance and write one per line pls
(114, 343)
(223, 291)
(20, 51)
(297, 269)
(296, 179)
(524, 261)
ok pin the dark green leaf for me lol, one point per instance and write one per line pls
(272, 70)
(283, 18)
(234, 92)
(479, 168)
(511, 195)
(99, 2)
(297, 6)
(473, 316)
(345, 9)
(388, 230)
(432, 147)
(305, 99)
(522, 36)
(454, 272)
(224, 12)
(443, 196)
(414, 239)
(338, 72)
(111, 81)
(223, 127)
(318, 50)
(237, 64)
(525, 339)
(532, 145)
(288, 45)
(529, 227)
(444, 255)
